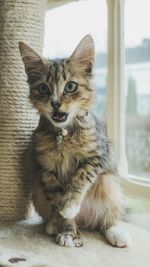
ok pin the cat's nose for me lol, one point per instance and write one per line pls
(55, 104)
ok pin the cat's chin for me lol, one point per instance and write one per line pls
(59, 124)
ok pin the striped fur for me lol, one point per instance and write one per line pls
(77, 181)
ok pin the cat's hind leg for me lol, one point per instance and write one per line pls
(117, 237)
(112, 208)
(102, 209)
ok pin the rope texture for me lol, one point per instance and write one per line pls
(20, 20)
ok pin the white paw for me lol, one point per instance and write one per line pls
(51, 228)
(70, 212)
(67, 240)
(117, 237)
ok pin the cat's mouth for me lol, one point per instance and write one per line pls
(59, 116)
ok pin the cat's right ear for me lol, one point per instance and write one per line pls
(32, 61)
(84, 53)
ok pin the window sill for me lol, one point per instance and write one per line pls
(135, 186)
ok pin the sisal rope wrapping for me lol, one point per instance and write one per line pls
(20, 20)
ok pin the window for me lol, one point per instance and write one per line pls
(66, 25)
(137, 86)
(137, 94)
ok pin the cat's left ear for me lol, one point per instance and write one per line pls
(84, 53)
(32, 61)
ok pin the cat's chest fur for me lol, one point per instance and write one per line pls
(63, 159)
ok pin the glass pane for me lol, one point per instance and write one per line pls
(66, 25)
(137, 84)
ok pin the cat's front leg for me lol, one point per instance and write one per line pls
(47, 194)
(70, 210)
(68, 235)
(81, 182)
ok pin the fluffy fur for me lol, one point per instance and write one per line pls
(74, 179)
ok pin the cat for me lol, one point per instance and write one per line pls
(72, 169)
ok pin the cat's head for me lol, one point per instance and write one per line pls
(60, 89)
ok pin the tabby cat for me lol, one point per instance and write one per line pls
(72, 167)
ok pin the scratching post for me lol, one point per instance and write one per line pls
(20, 20)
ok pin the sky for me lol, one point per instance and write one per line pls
(66, 25)
(137, 21)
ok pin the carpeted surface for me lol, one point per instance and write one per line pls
(25, 244)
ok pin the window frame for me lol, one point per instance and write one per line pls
(133, 185)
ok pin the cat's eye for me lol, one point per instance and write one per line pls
(43, 89)
(70, 87)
